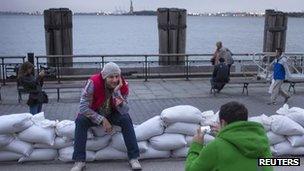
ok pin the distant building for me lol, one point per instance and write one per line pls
(131, 7)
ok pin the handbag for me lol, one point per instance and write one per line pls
(45, 98)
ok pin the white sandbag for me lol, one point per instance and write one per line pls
(209, 118)
(59, 143)
(283, 110)
(98, 143)
(5, 139)
(98, 131)
(182, 113)
(119, 144)
(189, 140)
(37, 134)
(168, 142)
(151, 153)
(296, 140)
(66, 129)
(110, 153)
(207, 139)
(15, 123)
(283, 125)
(273, 151)
(275, 138)
(41, 155)
(285, 148)
(182, 152)
(18, 146)
(263, 119)
(297, 115)
(66, 154)
(9, 156)
(150, 128)
(39, 120)
(182, 128)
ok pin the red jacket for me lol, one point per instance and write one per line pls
(99, 91)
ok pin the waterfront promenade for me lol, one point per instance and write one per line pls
(146, 100)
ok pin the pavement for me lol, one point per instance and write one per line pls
(146, 100)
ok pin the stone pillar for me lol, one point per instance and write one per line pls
(58, 35)
(172, 35)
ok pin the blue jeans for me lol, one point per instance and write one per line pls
(36, 108)
(83, 124)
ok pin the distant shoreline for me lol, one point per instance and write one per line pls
(153, 13)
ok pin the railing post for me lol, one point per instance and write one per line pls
(3, 75)
(146, 68)
(30, 57)
(58, 72)
(37, 64)
(187, 67)
(102, 61)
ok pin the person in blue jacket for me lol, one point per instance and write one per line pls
(280, 68)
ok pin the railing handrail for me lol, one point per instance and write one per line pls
(12, 57)
(142, 55)
(158, 55)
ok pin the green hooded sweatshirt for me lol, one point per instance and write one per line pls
(236, 148)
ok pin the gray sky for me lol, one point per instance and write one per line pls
(190, 5)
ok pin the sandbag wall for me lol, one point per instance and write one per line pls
(24, 137)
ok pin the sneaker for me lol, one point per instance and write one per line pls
(286, 99)
(78, 166)
(135, 165)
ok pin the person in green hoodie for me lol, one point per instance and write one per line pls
(237, 146)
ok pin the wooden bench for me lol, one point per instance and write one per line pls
(292, 85)
(50, 86)
(245, 84)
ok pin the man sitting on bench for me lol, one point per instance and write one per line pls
(220, 76)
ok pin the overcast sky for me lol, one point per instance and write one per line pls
(190, 5)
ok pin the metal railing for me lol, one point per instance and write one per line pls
(147, 61)
(9, 63)
(264, 62)
(145, 64)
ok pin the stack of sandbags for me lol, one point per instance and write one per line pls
(12, 148)
(181, 123)
(290, 124)
(41, 132)
(24, 137)
(285, 131)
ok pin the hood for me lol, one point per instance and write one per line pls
(248, 137)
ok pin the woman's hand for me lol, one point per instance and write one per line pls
(106, 125)
(42, 73)
(119, 85)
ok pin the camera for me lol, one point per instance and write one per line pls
(206, 129)
(49, 71)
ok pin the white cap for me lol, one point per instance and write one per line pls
(110, 69)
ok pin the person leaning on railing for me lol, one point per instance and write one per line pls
(32, 85)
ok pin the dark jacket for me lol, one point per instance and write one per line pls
(221, 73)
(33, 85)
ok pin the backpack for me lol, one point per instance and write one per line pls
(227, 55)
(222, 74)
